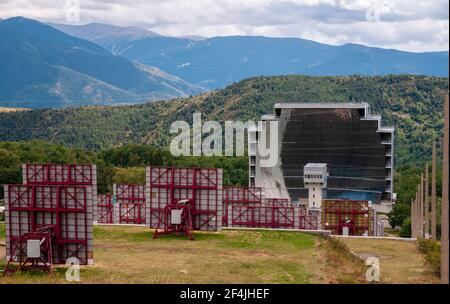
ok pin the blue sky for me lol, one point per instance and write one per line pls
(414, 25)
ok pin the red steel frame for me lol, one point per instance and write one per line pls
(201, 186)
(131, 200)
(55, 174)
(59, 206)
(307, 220)
(45, 235)
(233, 195)
(186, 226)
(262, 216)
(105, 209)
(242, 195)
(340, 213)
(277, 202)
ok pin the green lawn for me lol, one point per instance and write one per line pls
(2, 230)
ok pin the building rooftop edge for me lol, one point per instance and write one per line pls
(294, 105)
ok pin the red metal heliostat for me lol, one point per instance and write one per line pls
(352, 214)
(182, 225)
(58, 196)
(201, 186)
(56, 174)
(105, 209)
(131, 200)
(233, 195)
(308, 220)
(44, 235)
(262, 217)
(277, 202)
(30, 207)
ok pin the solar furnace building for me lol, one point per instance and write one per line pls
(357, 149)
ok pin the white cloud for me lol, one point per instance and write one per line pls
(414, 25)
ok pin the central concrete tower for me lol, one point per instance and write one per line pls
(315, 179)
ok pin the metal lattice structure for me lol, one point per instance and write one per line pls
(242, 195)
(130, 200)
(377, 228)
(308, 219)
(68, 208)
(234, 195)
(62, 197)
(262, 217)
(105, 209)
(277, 202)
(62, 174)
(169, 185)
(56, 174)
(352, 214)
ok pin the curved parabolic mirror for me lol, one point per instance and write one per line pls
(342, 138)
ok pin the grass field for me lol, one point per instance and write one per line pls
(400, 261)
(130, 255)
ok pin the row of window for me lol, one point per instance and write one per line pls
(312, 176)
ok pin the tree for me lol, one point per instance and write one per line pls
(398, 215)
(405, 231)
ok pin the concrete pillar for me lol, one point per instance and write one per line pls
(413, 217)
(444, 218)
(416, 212)
(433, 194)
(427, 207)
(421, 206)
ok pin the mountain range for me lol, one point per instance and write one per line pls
(43, 67)
(219, 61)
(53, 65)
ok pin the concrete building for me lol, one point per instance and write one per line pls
(358, 150)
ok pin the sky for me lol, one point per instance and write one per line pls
(411, 25)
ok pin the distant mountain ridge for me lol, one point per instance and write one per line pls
(43, 67)
(219, 61)
(109, 36)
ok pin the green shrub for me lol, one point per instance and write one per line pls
(432, 254)
(399, 213)
(405, 231)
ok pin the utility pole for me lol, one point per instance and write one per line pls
(413, 218)
(421, 206)
(444, 218)
(417, 212)
(433, 194)
(427, 207)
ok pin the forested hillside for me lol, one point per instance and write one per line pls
(119, 165)
(413, 104)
